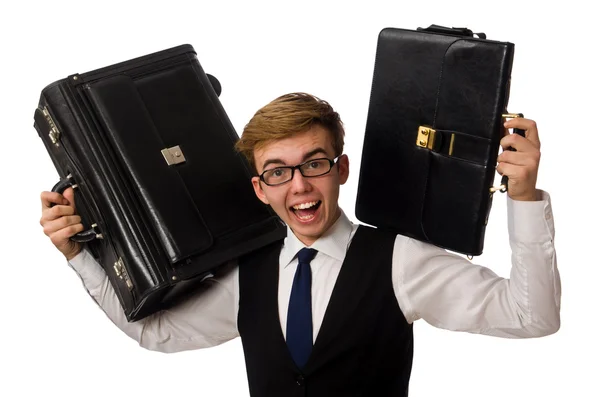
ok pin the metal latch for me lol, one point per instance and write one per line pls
(173, 155)
(121, 272)
(54, 132)
(426, 137)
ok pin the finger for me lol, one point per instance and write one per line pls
(518, 158)
(51, 198)
(69, 195)
(513, 172)
(55, 225)
(54, 213)
(62, 236)
(506, 169)
(530, 127)
(50, 214)
(518, 143)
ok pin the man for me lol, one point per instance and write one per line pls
(336, 320)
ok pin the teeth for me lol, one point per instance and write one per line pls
(307, 217)
(304, 206)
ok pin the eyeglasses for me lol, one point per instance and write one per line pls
(311, 168)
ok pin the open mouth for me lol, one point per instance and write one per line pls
(306, 211)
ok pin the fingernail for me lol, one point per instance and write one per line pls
(505, 123)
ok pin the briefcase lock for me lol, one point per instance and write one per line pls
(173, 155)
(54, 133)
(426, 137)
(121, 272)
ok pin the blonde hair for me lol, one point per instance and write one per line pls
(288, 115)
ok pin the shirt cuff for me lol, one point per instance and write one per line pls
(88, 269)
(531, 221)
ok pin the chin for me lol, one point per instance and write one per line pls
(310, 230)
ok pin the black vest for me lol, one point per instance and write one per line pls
(364, 346)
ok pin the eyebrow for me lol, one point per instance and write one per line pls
(304, 158)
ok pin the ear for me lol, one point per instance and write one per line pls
(343, 168)
(258, 190)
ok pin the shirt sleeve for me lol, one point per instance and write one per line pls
(207, 318)
(450, 292)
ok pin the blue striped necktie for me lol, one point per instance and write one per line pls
(299, 331)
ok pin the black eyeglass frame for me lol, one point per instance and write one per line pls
(298, 167)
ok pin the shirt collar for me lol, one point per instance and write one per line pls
(333, 243)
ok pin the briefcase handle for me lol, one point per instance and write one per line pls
(503, 187)
(81, 237)
(452, 31)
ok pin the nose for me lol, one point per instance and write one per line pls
(299, 183)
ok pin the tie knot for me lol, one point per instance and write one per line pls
(305, 255)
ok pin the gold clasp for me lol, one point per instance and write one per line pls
(426, 137)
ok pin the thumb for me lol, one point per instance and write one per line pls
(69, 195)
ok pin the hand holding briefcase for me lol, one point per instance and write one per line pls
(435, 120)
(149, 150)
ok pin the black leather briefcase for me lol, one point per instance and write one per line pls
(150, 152)
(432, 137)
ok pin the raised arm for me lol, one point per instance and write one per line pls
(207, 318)
(450, 292)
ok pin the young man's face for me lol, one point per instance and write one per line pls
(318, 196)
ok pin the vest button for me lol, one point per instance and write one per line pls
(300, 380)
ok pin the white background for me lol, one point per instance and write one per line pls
(53, 337)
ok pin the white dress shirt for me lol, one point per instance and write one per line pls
(443, 288)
